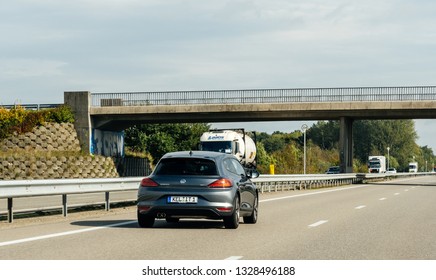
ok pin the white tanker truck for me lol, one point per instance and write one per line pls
(232, 141)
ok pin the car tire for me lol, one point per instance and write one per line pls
(232, 222)
(252, 219)
(145, 221)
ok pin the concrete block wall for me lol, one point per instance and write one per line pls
(50, 137)
(51, 151)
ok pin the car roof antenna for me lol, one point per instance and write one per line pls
(190, 153)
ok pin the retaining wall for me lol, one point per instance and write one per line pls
(51, 151)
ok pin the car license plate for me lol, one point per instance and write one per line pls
(182, 199)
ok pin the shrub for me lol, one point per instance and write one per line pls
(62, 114)
(11, 120)
(20, 120)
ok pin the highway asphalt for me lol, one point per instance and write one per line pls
(394, 220)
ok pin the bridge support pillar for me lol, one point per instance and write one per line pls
(80, 102)
(346, 145)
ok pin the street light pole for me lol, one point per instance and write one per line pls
(388, 157)
(304, 127)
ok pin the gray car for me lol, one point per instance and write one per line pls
(198, 184)
(334, 170)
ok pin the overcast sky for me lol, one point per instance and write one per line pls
(51, 46)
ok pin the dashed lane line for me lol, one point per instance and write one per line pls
(35, 238)
(19, 241)
(318, 223)
(311, 193)
(360, 207)
(234, 258)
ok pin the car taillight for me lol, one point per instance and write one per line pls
(221, 183)
(147, 182)
(225, 209)
(143, 209)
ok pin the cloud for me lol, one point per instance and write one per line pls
(24, 68)
(51, 46)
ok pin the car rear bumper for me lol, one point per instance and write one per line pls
(185, 211)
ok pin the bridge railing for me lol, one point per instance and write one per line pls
(351, 94)
(35, 107)
(9, 190)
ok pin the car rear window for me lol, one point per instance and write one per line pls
(186, 166)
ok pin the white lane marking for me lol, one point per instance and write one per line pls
(406, 190)
(396, 193)
(307, 194)
(360, 207)
(234, 258)
(6, 243)
(318, 223)
(383, 198)
(12, 242)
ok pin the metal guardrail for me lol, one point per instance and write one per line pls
(266, 183)
(273, 183)
(350, 94)
(64, 187)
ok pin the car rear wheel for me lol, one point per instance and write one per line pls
(252, 219)
(145, 221)
(233, 220)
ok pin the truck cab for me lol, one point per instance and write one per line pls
(233, 142)
(413, 167)
(377, 164)
(228, 147)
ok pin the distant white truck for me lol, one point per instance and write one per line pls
(234, 142)
(376, 164)
(413, 167)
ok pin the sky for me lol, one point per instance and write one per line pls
(51, 46)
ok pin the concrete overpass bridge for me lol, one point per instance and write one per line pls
(101, 116)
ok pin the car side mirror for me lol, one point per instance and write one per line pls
(252, 173)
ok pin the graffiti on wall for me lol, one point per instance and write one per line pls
(107, 143)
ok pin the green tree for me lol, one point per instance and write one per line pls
(373, 137)
(285, 150)
(263, 159)
(135, 139)
(289, 160)
(274, 143)
(324, 134)
(278, 140)
(158, 139)
(427, 161)
(160, 143)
